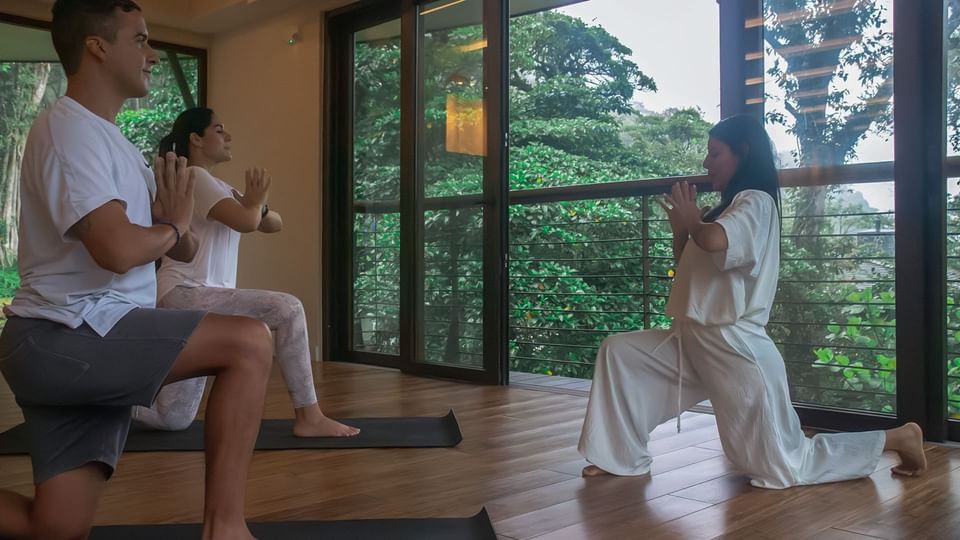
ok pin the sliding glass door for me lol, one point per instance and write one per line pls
(416, 206)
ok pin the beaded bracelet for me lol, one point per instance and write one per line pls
(175, 228)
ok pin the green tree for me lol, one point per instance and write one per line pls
(669, 144)
(820, 45)
(23, 87)
(146, 120)
(575, 274)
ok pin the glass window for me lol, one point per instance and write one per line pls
(829, 81)
(376, 178)
(829, 98)
(453, 147)
(952, 144)
(594, 99)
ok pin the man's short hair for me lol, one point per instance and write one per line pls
(76, 20)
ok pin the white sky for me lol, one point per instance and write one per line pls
(677, 43)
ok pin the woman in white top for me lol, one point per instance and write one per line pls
(209, 281)
(717, 347)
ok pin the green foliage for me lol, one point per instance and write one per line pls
(824, 114)
(570, 86)
(952, 52)
(668, 144)
(854, 356)
(9, 281)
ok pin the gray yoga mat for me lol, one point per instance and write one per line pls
(396, 432)
(477, 527)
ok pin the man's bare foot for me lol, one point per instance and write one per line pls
(311, 422)
(592, 470)
(907, 442)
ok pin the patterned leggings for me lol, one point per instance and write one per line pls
(177, 403)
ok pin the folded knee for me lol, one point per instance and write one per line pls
(292, 302)
(287, 307)
(258, 341)
(608, 345)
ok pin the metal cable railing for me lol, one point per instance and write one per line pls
(593, 267)
(562, 305)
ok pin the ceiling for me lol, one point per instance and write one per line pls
(213, 17)
(445, 14)
(206, 16)
(209, 17)
(219, 16)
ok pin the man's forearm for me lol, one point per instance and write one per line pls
(131, 246)
(186, 249)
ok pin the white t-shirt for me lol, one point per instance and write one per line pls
(215, 264)
(739, 283)
(75, 162)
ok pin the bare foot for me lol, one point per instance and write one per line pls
(322, 427)
(907, 442)
(592, 470)
(228, 532)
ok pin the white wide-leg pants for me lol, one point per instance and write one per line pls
(645, 378)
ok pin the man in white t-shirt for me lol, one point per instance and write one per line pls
(83, 342)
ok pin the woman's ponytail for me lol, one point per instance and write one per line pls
(166, 144)
(195, 120)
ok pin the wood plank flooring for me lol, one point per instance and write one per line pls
(519, 460)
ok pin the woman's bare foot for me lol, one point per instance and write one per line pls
(233, 531)
(592, 470)
(907, 442)
(311, 422)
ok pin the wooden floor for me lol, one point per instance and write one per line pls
(519, 460)
(551, 383)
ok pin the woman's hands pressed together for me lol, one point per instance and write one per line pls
(257, 189)
(681, 208)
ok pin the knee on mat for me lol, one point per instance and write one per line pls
(173, 421)
(161, 419)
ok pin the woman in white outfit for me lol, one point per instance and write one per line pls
(717, 347)
(209, 281)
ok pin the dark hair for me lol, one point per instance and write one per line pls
(195, 120)
(745, 136)
(75, 20)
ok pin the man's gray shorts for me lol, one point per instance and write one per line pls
(76, 388)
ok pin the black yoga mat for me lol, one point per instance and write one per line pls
(397, 432)
(477, 527)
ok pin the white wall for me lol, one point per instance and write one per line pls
(268, 94)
